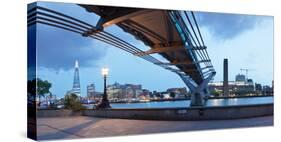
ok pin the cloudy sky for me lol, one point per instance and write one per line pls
(246, 40)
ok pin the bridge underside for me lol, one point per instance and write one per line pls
(164, 31)
(155, 29)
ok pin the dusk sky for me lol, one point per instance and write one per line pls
(247, 42)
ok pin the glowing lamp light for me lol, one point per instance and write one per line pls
(104, 71)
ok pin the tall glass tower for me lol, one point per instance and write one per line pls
(76, 81)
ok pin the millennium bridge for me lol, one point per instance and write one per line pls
(173, 34)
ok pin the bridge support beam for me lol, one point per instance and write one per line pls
(199, 93)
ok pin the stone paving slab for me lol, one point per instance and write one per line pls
(90, 127)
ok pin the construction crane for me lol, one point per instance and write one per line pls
(246, 70)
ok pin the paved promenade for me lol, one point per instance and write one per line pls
(81, 126)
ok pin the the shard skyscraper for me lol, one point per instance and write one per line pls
(76, 81)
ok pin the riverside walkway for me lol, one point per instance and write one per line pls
(91, 127)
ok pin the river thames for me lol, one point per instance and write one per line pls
(186, 103)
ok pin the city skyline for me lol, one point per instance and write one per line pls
(60, 72)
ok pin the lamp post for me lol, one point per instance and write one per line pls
(104, 103)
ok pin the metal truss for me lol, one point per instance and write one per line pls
(193, 40)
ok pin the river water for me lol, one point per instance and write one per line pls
(186, 103)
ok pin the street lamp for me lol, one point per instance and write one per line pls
(104, 71)
(104, 103)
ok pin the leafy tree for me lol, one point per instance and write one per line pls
(161, 95)
(38, 86)
(157, 94)
(43, 87)
(215, 93)
(172, 94)
(72, 102)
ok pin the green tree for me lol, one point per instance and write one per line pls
(42, 88)
(172, 94)
(215, 93)
(72, 102)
